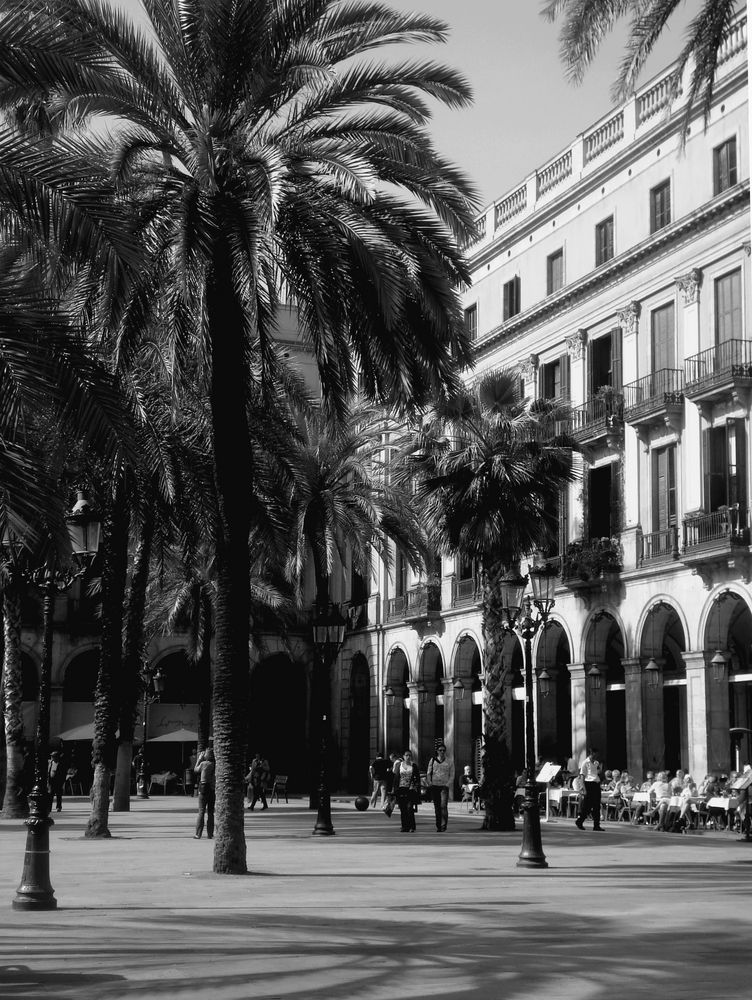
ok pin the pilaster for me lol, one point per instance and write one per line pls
(458, 708)
(688, 286)
(634, 720)
(579, 710)
(596, 710)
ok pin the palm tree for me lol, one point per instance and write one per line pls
(261, 156)
(343, 510)
(14, 804)
(585, 23)
(489, 469)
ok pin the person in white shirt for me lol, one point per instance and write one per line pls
(590, 770)
(439, 778)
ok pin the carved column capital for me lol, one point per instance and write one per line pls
(689, 285)
(576, 344)
(629, 317)
(529, 367)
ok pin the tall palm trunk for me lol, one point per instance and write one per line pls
(498, 778)
(14, 804)
(233, 471)
(3, 750)
(132, 661)
(203, 668)
(106, 696)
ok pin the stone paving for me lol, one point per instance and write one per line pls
(374, 914)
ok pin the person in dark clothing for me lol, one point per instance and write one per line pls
(590, 771)
(257, 778)
(56, 772)
(380, 771)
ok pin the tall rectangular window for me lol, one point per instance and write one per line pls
(471, 322)
(664, 487)
(511, 304)
(724, 166)
(604, 241)
(724, 454)
(660, 206)
(728, 307)
(662, 337)
(555, 379)
(555, 272)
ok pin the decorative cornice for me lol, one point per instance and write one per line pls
(735, 198)
(576, 345)
(689, 286)
(629, 317)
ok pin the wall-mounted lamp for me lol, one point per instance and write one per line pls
(544, 680)
(389, 695)
(718, 666)
(595, 677)
(422, 693)
(653, 673)
(459, 688)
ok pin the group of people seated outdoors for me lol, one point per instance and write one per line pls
(667, 803)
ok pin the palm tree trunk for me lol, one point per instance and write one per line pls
(203, 667)
(15, 804)
(132, 663)
(233, 474)
(498, 778)
(107, 693)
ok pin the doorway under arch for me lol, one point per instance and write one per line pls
(277, 718)
(359, 756)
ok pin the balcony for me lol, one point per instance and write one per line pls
(466, 593)
(657, 398)
(718, 373)
(589, 561)
(601, 417)
(417, 604)
(658, 546)
(709, 537)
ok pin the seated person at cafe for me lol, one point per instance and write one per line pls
(660, 794)
(469, 786)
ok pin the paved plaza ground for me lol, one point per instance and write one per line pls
(375, 914)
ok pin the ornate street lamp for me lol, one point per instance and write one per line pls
(154, 685)
(520, 616)
(329, 629)
(390, 696)
(35, 891)
(595, 676)
(653, 673)
(458, 688)
(718, 666)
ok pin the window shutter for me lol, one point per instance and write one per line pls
(616, 358)
(590, 387)
(564, 369)
(615, 498)
(563, 520)
(737, 470)
(506, 313)
(706, 476)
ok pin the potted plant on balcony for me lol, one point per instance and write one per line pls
(590, 559)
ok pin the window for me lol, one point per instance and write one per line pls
(604, 241)
(724, 166)
(471, 322)
(604, 362)
(555, 272)
(664, 488)
(511, 304)
(400, 574)
(660, 206)
(724, 465)
(662, 337)
(603, 517)
(555, 379)
(728, 307)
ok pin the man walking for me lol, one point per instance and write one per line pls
(379, 771)
(205, 771)
(590, 772)
(439, 778)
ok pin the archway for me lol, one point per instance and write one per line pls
(397, 713)
(729, 631)
(665, 689)
(606, 699)
(554, 728)
(466, 736)
(277, 718)
(360, 724)
(431, 727)
(179, 679)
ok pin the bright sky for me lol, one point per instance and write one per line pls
(525, 111)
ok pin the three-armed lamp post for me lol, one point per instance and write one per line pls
(154, 685)
(35, 891)
(329, 629)
(525, 616)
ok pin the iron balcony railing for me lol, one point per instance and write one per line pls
(729, 359)
(598, 414)
(395, 608)
(465, 592)
(420, 601)
(660, 545)
(726, 526)
(664, 387)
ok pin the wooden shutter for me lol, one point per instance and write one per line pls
(563, 539)
(616, 358)
(737, 469)
(728, 307)
(615, 497)
(662, 324)
(564, 376)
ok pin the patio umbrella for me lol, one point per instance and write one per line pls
(177, 736)
(85, 732)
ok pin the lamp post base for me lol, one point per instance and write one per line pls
(531, 855)
(323, 826)
(35, 891)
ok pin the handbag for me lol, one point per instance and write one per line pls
(413, 796)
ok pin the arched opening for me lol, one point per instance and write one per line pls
(554, 729)
(277, 718)
(606, 697)
(29, 679)
(179, 679)
(465, 728)
(729, 630)
(80, 680)
(665, 724)
(430, 703)
(360, 724)
(396, 696)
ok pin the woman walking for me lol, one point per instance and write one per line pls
(406, 786)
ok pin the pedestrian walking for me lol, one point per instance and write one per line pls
(439, 778)
(406, 787)
(56, 772)
(257, 777)
(206, 786)
(590, 771)
(379, 771)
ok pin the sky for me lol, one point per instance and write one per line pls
(525, 111)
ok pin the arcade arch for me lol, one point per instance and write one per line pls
(359, 735)
(277, 719)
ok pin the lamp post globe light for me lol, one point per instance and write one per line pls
(329, 628)
(524, 616)
(35, 891)
(154, 683)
